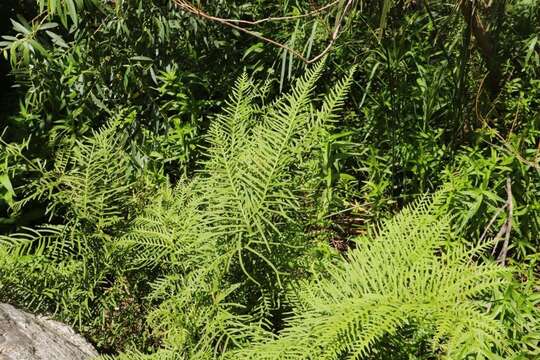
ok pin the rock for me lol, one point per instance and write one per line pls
(27, 337)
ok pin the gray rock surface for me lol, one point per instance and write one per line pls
(27, 337)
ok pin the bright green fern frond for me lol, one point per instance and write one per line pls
(171, 230)
(163, 354)
(245, 191)
(89, 180)
(402, 275)
(53, 241)
(233, 232)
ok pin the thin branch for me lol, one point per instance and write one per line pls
(184, 5)
(506, 229)
(281, 18)
(491, 224)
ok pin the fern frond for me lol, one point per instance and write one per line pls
(51, 240)
(244, 182)
(170, 230)
(228, 233)
(403, 274)
(89, 180)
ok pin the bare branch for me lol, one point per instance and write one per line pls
(233, 23)
(491, 224)
(284, 18)
(506, 229)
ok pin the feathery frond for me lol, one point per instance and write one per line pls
(407, 273)
(235, 225)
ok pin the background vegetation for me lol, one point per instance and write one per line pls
(176, 186)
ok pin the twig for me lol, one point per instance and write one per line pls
(506, 229)
(183, 4)
(491, 224)
(279, 18)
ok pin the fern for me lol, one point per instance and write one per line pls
(242, 196)
(232, 233)
(72, 269)
(409, 272)
(90, 183)
(226, 253)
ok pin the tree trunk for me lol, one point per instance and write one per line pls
(484, 44)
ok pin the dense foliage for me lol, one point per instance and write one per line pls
(176, 182)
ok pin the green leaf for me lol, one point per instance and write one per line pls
(72, 11)
(98, 102)
(52, 8)
(19, 27)
(6, 183)
(255, 48)
(46, 26)
(141, 58)
(530, 49)
(57, 39)
(38, 47)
